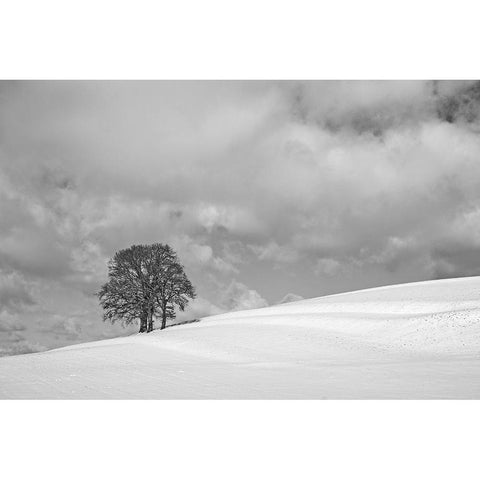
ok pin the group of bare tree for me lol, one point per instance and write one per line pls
(145, 282)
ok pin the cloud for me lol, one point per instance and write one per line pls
(15, 295)
(327, 266)
(9, 324)
(20, 347)
(460, 105)
(201, 255)
(238, 296)
(290, 297)
(198, 308)
(363, 107)
(68, 329)
(275, 253)
(12, 342)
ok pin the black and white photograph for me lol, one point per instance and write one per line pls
(239, 240)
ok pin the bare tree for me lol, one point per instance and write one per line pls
(175, 290)
(145, 282)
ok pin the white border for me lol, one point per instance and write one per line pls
(250, 40)
(240, 439)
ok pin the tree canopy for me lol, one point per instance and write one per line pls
(145, 282)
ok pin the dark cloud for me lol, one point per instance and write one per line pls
(462, 105)
(362, 108)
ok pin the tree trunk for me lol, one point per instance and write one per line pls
(164, 317)
(143, 323)
(150, 321)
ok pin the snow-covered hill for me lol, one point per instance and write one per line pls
(418, 340)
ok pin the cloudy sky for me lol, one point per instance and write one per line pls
(264, 189)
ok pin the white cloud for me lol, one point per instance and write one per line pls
(238, 296)
(198, 308)
(290, 297)
(327, 266)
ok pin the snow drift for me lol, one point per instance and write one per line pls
(418, 340)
